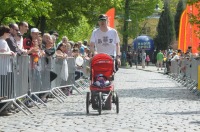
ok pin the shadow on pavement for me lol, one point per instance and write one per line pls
(153, 93)
(195, 122)
(69, 113)
(181, 113)
(92, 113)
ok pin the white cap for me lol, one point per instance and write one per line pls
(35, 30)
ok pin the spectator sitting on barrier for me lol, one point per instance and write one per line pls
(76, 46)
(4, 48)
(78, 73)
(45, 37)
(61, 51)
(13, 38)
(49, 52)
(4, 34)
(64, 40)
(81, 48)
(86, 53)
(40, 42)
(54, 40)
(49, 47)
(37, 51)
(175, 56)
(29, 41)
(23, 28)
(68, 50)
(54, 33)
(72, 44)
(189, 50)
(33, 46)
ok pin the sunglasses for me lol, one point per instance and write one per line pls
(16, 30)
(102, 20)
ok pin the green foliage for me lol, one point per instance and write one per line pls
(192, 1)
(194, 19)
(179, 10)
(75, 18)
(166, 32)
(80, 32)
(18, 10)
(137, 11)
(173, 6)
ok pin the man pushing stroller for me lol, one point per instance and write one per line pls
(106, 40)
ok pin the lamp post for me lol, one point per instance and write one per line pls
(125, 34)
(125, 31)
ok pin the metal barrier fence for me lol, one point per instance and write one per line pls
(6, 76)
(185, 71)
(26, 77)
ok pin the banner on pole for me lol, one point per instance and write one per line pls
(111, 16)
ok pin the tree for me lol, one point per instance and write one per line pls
(165, 29)
(67, 16)
(179, 10)
(73, 18)
(60, 15)
(194, 19)
(18, 10)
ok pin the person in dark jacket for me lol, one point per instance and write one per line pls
(129, 58)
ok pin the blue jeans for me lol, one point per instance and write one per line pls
(78, 74)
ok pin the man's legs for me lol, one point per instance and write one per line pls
(158, 65)
(78, 74)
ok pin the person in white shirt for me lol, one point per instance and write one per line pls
(23, 28)
(4, 34)
(105, 40)
(175, 57)
(5, 67)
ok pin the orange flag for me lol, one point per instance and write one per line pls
(187, 35)
(182, 32)
(196, 39)
(189, 29)
(111, 16)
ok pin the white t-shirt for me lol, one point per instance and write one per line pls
(20, 43)
(176, 57)
(4, 46)
(105, 42)
(4, 59)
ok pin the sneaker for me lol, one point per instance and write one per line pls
(113, 97)
(11, 111)
(30, 104)
(44, 100)
(3, 98)
(5, 113)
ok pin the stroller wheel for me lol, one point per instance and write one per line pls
(99, 103)
(117, 103)
(113, 97)
(87, 102)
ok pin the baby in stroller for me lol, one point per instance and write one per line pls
(101, 81)
(102, 93)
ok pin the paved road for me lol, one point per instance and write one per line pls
(149, 102)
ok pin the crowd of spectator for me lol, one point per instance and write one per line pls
(15, 40)
(166, 57)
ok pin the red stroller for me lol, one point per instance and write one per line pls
(102, 94)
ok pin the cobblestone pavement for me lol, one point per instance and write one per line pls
(149, 102)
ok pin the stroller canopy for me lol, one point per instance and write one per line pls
(102, 64)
